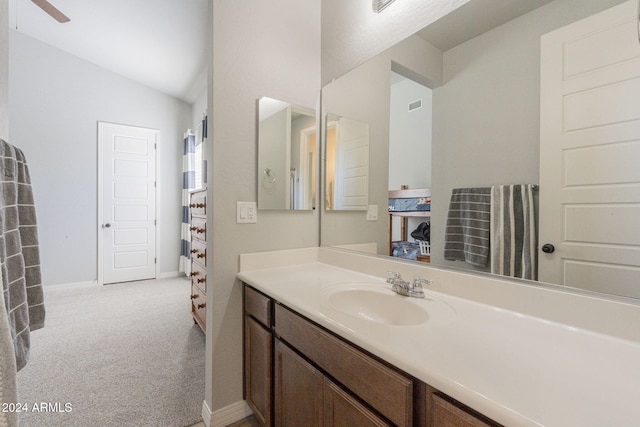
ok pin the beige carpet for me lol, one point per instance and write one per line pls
(119, 355)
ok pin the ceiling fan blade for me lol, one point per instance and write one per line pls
(52, 11)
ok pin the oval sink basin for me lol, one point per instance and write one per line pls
(378, 305)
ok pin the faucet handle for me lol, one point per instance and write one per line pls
(395, 275)
(419, 281)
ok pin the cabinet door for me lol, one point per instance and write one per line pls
(388, 391)
(258, 371)
(342, 410)
(448, 414)
(298, 390)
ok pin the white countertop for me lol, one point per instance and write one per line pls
(517, 369)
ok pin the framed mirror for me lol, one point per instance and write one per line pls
(483, 95)
(287, 156)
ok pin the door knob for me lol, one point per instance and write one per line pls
(548, 248)
(107, 225)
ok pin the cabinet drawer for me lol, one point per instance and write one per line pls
(448, 413)
(199, 306)
(257, 305)
(199, 276)
(385, 389)
(198, 203)
(199, 252)
(199, 228)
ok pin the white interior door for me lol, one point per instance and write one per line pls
(306, 179)
(352, 165)
(127, 223)
(590, 153)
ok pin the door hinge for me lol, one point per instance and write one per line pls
(155, 260)
(155, 184)
(155, 222)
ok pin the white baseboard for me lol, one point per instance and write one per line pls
(168, 274)
(87, 284)
(225, 416)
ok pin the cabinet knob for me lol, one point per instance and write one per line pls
(194, 273)
(192, 205)
(193, 251)
(203, 305)
(194, 296)
(193, 228)
(201, 230)
(202, 280)
(200, 256)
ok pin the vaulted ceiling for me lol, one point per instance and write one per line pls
(159, 43)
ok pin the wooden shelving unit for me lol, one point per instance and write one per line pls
(404, 216)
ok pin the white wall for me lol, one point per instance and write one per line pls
(410, 135)
(55, 101)
(4, 69)
(259, 49)
(352, 33)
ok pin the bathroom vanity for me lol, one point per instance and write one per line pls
(320, 379)
(328, 343)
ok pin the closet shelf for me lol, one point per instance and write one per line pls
(408, 203)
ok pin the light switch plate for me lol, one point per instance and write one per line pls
(372, 213)
(246, 213)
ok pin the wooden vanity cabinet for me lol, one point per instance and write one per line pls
(342, 409)
(258, 350)
(447, 412)
(297, 373)
(298, 390)
(304, 396)
(383, 388)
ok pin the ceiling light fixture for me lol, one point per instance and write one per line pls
(378, 5)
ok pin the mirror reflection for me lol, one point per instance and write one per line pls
(484, 130)
(287, 156)
(347, 163)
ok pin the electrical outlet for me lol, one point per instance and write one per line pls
(246, 213)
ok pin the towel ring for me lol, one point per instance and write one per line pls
(269, 177)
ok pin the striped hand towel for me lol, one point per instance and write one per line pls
(513, 235)
(467, 234)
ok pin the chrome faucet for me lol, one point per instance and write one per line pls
(402, 287)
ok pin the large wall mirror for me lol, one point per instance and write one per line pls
(459, 105)
(287, 156)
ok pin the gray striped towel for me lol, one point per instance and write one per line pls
(19, 252)
(8, 386)
(467, 234)
(513, 235)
